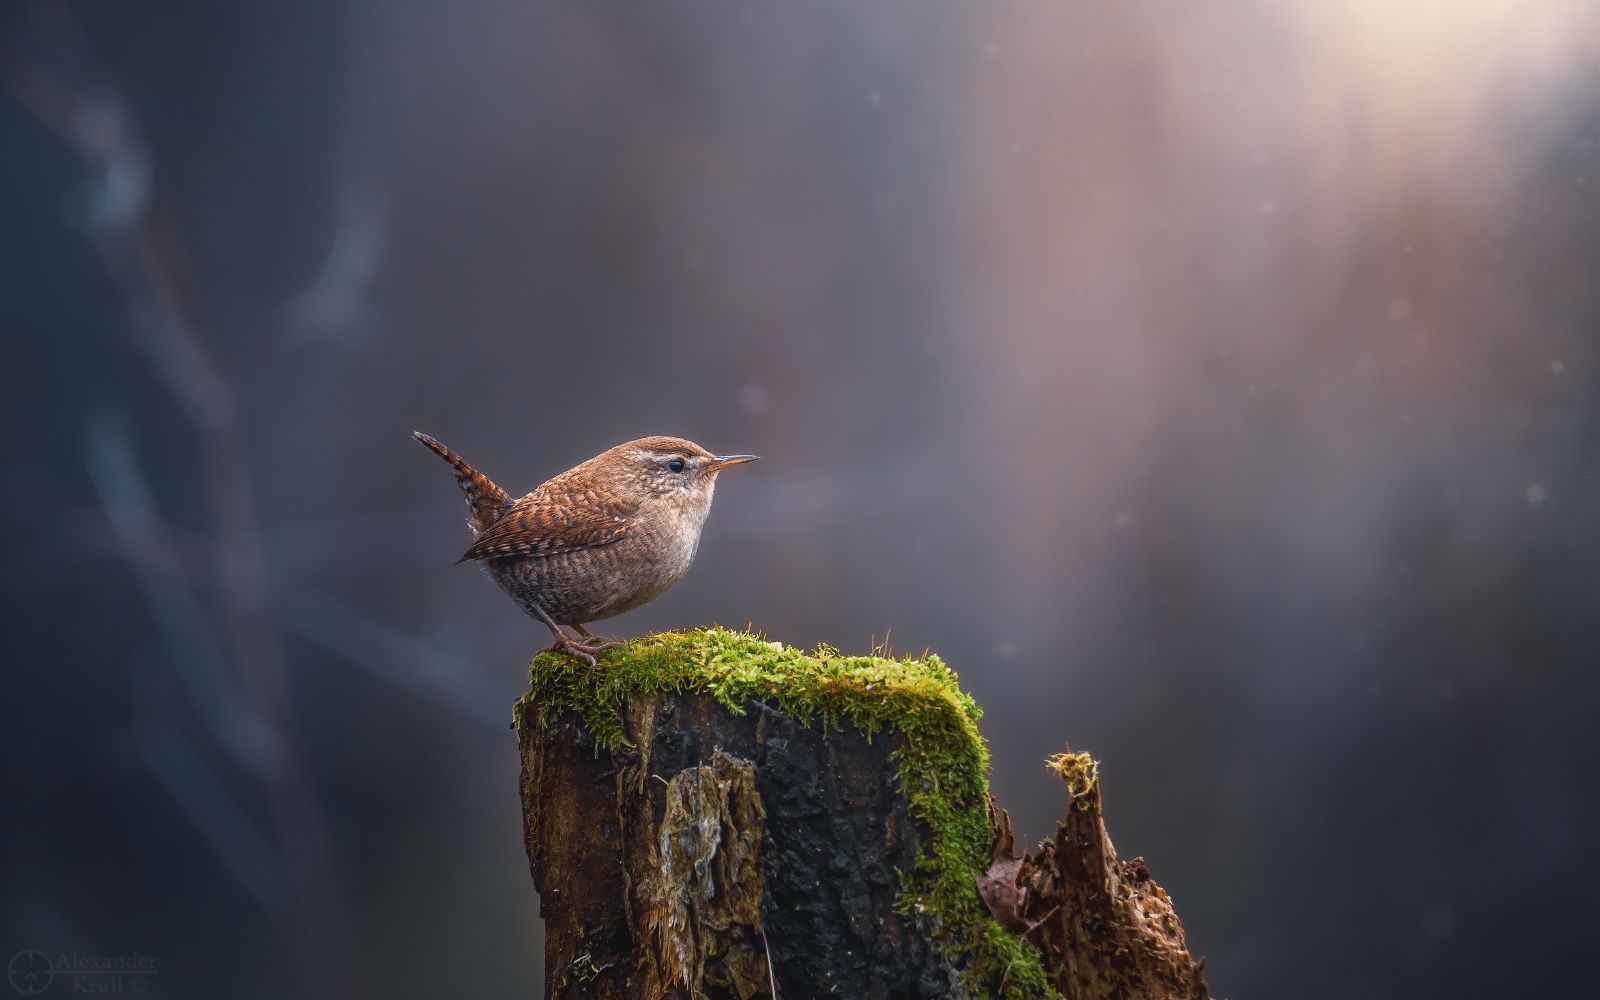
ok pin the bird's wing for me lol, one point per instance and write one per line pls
(552, 520)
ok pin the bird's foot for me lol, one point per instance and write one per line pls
(595, 643)
(572, 648)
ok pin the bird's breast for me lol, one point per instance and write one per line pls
(675, 538)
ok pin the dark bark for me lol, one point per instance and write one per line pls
(1104, 926)
(800, 840)
(728, 853)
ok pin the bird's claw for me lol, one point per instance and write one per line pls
(573, 649)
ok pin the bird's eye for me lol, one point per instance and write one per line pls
(675, 465)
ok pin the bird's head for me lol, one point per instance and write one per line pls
(670, 468)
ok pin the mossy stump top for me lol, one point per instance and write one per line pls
(877, 760)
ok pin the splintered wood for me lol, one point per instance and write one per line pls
(1106, 929)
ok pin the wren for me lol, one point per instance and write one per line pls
(601, 538)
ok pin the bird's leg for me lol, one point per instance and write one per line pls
(564, 643)
(595, 642)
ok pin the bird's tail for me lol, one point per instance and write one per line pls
(486, 500)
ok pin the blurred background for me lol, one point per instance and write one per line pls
(1216, 387)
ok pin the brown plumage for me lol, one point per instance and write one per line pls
(599, 539)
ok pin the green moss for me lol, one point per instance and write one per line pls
(943, 763)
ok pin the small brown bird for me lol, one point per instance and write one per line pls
(597, 540)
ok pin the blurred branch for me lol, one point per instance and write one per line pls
(403, 659)
(197, 655)
(145, 255)
(335, 307)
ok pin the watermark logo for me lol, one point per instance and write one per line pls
(32, 972)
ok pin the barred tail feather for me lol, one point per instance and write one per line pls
(485, 500)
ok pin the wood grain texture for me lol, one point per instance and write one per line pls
(724, 855)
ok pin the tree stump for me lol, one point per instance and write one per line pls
(709, 815)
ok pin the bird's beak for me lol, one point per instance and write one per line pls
(723, 461)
